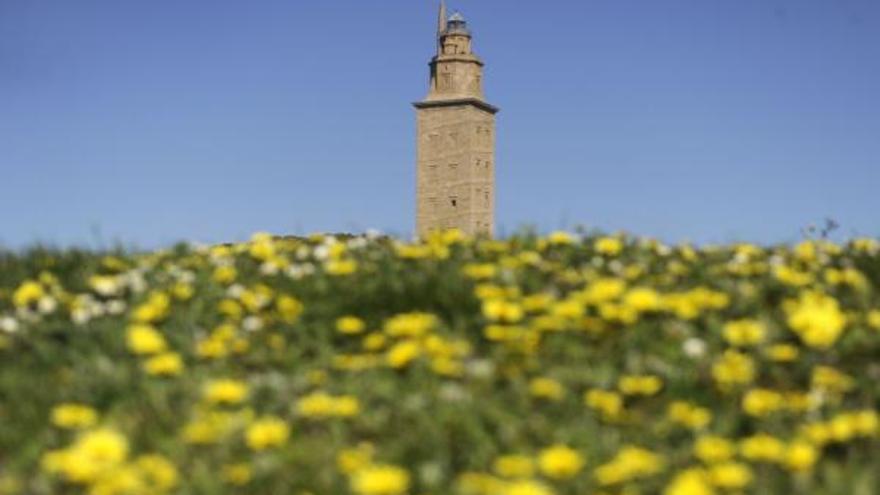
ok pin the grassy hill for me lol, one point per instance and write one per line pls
(560, 365)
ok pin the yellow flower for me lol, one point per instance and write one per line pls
(744, 332)
(323, 405)
(74, 416)
(354, 459)
(568, 309)
(413, 251)
(155, 308)
(731, 475)
(762, 447)
(225, 391)
(256, 298)
(92, 455)
(121, 479)
(603, 290)
(182, 291)
(266, 433)
(403, 353)
(732, 369)
(791, 276)
(611, 246)
(818, 433)
(537, 302)
(514, 466)
(350, 325)
(212, 348)
(711, 449)
(560, 238)
(639, 384)
(642, 299)
(689, 415)
(801, 456)
(262, 246)
(526, 487)
(630, 463)
(289, 308)
(340, 267)
(27, 294)
(380, 480)
(610, 404)
(873, 319)
(482, 271)
(806, 251)
(491, 291)
(472, 483)
(374, 341)
(690, 482)
(560, 462)
(866, 422)
(225, 274)
(410, 324)
(848, 276)
(230, 308)
(144, 339)
(501, 310)
(546, 388)
(762, 402)
(783, 353)
(236, 474)
(816, 318)
(356, 362)
(158, 472)
(166, 364)
(829, 380)
(865, 245)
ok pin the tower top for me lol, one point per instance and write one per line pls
(456, 25)
(456, 71)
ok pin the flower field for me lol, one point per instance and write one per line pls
(569, 364)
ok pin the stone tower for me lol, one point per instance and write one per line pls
(456, 138)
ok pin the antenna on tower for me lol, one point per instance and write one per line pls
(441, 21)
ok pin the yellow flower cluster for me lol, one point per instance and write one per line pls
(517, 474)
(320, 405)
(266, 433)
(630, 463)
(816, 318)
(74, 416)
(450, 365)
(99, 459)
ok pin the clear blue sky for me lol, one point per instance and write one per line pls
(148, 122)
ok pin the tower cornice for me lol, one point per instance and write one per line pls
(469, 58)
(453, 102)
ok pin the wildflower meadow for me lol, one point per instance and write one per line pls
(566, 364)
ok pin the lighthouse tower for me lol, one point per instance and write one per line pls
(456, 138)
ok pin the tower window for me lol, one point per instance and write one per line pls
(454, 201)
